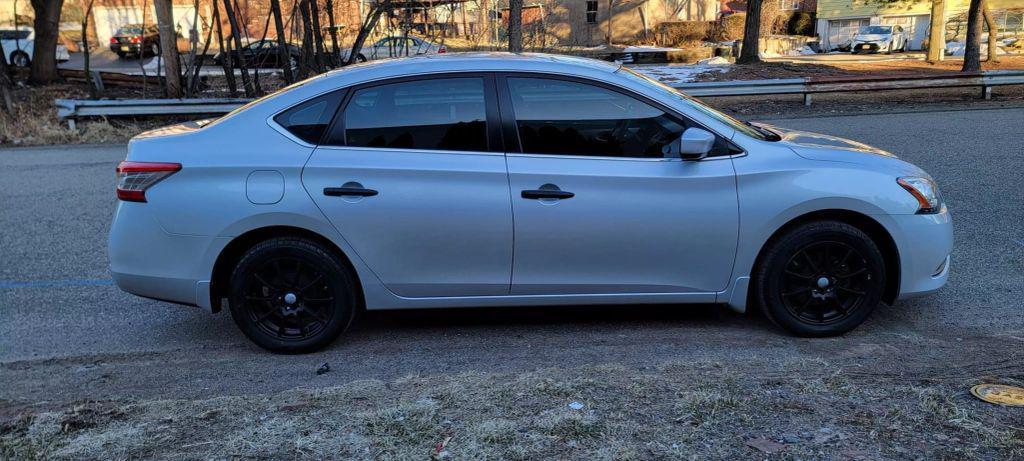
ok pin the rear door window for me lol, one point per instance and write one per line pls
(432, 114)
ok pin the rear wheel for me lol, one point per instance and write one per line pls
(292, 295)
(820, 279)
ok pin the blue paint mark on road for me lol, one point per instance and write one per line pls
(9, 284)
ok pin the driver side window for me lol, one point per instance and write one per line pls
(570, 118)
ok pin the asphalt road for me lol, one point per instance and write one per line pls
(67, 333)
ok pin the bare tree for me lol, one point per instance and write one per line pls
(168, 48)
(93, 90)
(368, 25)
(44, 52)
(972, 49)
(283, 56)
(233, 21)
(333, 30)
(515, 26)
(750, 54)
(225, 51)
(611, 14)
(993, 32)
(5, 81)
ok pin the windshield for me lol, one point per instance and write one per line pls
(876, 30)
(737, 125)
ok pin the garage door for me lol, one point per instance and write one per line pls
(841, 31)
(916, 27)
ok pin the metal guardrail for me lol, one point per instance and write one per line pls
(809, 86)
(71, 109)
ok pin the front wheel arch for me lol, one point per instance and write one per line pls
(878, 234)
(230, 255)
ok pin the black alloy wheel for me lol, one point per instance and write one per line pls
(291, 295)
(820, 279)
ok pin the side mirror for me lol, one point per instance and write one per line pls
(694, 144)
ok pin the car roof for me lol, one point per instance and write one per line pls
(483, 62)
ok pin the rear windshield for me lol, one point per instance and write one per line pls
(14, 34)
(129, 30)
(876, 30)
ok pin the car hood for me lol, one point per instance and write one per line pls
(821, 147)
(871, 37)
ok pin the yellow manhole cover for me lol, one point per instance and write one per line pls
(1000, 394)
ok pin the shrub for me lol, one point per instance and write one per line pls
(729, 28)
(683, 33)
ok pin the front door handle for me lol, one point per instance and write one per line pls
(349, 191)
(548, 194)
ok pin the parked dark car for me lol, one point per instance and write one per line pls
(262, 53)
(136, 40)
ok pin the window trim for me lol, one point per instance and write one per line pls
(491, 122)
(510, 131)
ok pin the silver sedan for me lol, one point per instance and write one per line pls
(511, 180)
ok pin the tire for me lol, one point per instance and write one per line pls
(822, 278)
(360, 58)
(154, 49)
(291, 295)
(20, 59)
(121, 56)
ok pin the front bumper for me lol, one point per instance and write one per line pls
(866, 46)
(925, 244)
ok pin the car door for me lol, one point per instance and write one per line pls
(597, 207)
(413, 177)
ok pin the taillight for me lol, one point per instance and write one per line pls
(133, 178)
(113, 40)
(442, 50)
(136, 40)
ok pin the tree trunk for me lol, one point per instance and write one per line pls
(611, 5)
(225, 51)
(168, 47)
(233, 21)
(484, 19)
(993, 32)
(937, 31)
(307, 56)
(5, 81)
(44, 52)
(318, 36)
(284, 58)
(750, 54)
(93, 90)
(515, 26)
(972, 49)
(332, 29)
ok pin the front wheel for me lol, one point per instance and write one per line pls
(20, 59)
(292, 295)
(822, 278)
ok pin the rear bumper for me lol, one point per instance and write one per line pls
(925, 244)
(128, 48)
(147, 261)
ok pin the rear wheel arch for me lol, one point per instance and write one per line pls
(232, 253)
(875, 230)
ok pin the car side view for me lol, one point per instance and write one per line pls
(476, 180)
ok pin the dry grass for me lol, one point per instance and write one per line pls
(676, 411)
(34, 121)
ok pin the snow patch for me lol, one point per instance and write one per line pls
(682, 73)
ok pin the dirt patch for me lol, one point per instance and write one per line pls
(674, 411)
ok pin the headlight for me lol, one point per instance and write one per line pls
(925, 191)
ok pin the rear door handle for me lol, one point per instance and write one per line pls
(349, 191)
(546, 193)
